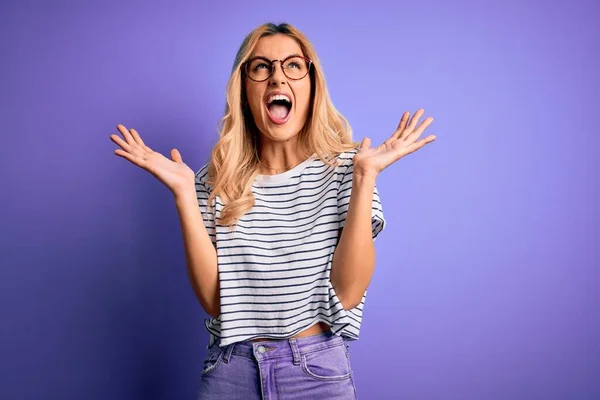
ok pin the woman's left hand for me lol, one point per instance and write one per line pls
(369, 161)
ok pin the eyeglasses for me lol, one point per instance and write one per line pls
(259, 69)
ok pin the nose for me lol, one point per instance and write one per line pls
(277, 76)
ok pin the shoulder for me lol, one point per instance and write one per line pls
(202, 176)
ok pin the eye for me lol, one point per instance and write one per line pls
(293, 64)
(260, 66)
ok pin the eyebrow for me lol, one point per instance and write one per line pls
(266, 59)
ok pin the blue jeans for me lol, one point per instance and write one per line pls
(310, 367)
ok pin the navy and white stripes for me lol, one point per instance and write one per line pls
(274, 266)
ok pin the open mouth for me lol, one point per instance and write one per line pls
(279, 108)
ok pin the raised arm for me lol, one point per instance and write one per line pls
(200, 254)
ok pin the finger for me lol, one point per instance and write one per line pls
(125, 155)
(138, 160)
(126, 134)
(413, 122)
(417, 145)
(401, 126)
(408, 129)
(365, 144)
(403, 121)
(136, 137)
(429, 139)
(419, 131)
(120, 142)
(176, 156)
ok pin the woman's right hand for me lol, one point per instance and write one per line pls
(174, 173)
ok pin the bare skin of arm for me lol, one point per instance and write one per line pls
(200, 254)
(354, 258)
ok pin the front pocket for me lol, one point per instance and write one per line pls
(330, 364)
(212, 360)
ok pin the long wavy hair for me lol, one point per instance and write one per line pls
(234, 161)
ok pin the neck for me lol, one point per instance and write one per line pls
(267, 170)
(278, 157)
(276, 161)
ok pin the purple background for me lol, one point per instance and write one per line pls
(487, 282)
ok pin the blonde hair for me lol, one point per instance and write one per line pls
(233, 164)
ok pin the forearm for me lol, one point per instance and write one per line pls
(354, 257)
(200, 254)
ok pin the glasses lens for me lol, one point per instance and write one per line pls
(259, 70)
(295, 67)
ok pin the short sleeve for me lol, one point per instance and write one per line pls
(202, 193)
(345, 171)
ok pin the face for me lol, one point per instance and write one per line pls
(275, 119)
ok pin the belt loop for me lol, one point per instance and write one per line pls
(295, 351)
(228, 352)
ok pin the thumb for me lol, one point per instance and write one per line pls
(176, 156)
(366, 143)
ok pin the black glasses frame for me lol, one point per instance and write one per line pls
(272, 64)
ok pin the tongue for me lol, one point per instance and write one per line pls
(278, 111)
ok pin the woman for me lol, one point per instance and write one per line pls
(280, 250)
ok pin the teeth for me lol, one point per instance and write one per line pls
(279, 97)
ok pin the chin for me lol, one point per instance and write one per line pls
(281, 134)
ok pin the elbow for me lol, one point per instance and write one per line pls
(350, 305)
(349, 301)
(212, 308)
(212, 312)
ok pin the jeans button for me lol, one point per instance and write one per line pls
(261, 349)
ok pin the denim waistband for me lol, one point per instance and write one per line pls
(293, 347)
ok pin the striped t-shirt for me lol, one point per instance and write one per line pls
(274, 267)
